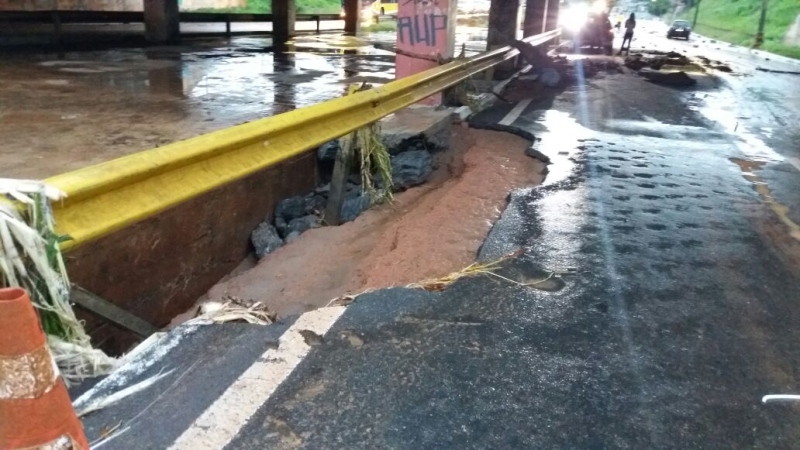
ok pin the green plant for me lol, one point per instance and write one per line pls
(737, 22)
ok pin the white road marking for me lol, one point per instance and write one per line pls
(515, 113)
(221, 422)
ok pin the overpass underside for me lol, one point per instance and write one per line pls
(162, 18)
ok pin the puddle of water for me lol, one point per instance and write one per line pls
(655, 129)
(241, 73)
(560, 143)
(756, 154)
(748, 143)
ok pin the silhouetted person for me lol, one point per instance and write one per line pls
(630, 24)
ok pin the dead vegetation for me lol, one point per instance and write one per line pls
(673, 61)
(489, 269)
(234, 309)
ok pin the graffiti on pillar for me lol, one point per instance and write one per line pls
(426, 25)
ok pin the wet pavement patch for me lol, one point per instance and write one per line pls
(524, 272)
(654, 290)
(783, 212)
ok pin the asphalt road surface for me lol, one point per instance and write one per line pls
(652, 302)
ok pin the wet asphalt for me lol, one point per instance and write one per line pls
(653, 303)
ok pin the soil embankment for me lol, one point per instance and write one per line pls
(429, 231)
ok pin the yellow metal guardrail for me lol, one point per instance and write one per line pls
(109, 196)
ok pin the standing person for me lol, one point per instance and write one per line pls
(630, 24)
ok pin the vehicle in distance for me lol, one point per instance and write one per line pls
(590, 30)
(679, 28)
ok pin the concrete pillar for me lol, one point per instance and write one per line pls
(352, 16)
(426, 33)
(161, 21)
(553, 7)
(283, 18)
(503, 22)
(535, 17)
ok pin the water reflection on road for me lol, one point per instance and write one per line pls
(94, 105)
(245, 70)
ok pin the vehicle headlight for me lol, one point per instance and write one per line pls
(573, 19)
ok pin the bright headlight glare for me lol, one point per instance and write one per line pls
(573, 19)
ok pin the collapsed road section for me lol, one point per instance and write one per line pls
(642, 296)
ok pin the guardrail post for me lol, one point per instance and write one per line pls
(228, 25)
(318, 20)
(344, 161)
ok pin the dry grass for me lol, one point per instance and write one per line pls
(347, 299)
(30, 258)
(440, 284)
(234, 309)
(473, 270)
(375, 162)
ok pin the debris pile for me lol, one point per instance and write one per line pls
(669, 78)
(535, 56)
(593, 67)
(716, 65)
(552, 71)
(655, 60)
(668, 68)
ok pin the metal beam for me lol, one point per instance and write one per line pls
(73, 17)
(110, 311)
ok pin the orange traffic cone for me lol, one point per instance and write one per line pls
(35, 409)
